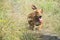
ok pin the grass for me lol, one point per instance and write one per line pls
(13, 18)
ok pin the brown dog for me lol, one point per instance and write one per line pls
(34, 18)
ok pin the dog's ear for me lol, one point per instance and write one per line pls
(40, 10)
(33, 7)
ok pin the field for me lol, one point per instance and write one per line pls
(13, 18)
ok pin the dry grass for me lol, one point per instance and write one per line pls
(13, 18)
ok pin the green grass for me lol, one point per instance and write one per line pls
(13, 18)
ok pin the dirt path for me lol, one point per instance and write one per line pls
(45, 35)
(48, 34)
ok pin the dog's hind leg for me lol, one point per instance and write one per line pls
(35, 27)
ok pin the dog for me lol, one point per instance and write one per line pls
(35, 18)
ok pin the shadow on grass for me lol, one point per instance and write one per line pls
(38, 36)
(48, 37)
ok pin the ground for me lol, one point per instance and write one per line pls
(13, 20)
